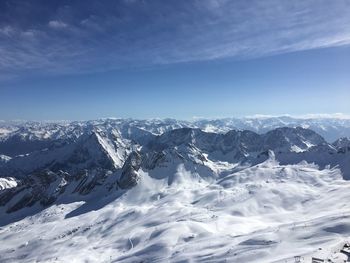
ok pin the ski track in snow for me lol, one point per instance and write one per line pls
(264, 213)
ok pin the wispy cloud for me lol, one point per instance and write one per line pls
(57, 24)
(81, 36)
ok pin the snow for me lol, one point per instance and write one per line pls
(332, 254)
(330, 128)
(108, 147)
(4, 158)
(296, 149)
(202, 196)
(7, 182)
(4, 131)
(264, 213)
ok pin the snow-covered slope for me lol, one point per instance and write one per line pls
(91, 150)
(4, 159)
(265, 213)
(208, 155)
(130, 191)
(7, 182)
(23, 137)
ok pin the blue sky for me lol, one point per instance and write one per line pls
(157, 58)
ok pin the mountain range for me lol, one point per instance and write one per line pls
(85, 167)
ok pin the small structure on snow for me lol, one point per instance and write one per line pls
(338, 254)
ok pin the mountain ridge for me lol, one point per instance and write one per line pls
(97, 153)
(184, 183)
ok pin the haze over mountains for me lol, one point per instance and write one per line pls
(166, 190)
(330, 127)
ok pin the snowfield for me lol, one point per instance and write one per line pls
(168, 191)
(264, 213)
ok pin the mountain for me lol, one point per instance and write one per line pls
(126, 191)
(14, 135)
(95, 151)
(329, 128)
(91, 150)
(342, 143)
(271, 210)
(290, 146)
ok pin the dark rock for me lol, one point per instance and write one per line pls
(43, 187)
(130, 176)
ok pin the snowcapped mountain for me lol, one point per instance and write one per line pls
(342, 143)
(160, 190)
(275, 211)
(329, 128)
(91, 150)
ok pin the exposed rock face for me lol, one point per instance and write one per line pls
(19, 144)
(342, 145)
(88, 180)
(96, 158)
(90, 151)
(287, 139)
(130, 176)
(43, 187)
(152, 159)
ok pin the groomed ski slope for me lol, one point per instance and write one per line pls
(265, 213)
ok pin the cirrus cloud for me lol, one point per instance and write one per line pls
(57, 24)
(55, 37)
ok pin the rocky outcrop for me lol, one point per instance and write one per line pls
(99, 160)
(342, 145)
(90, 151)
(130, 175)
(43, 187)
(88, 180)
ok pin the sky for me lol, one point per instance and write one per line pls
(78, 60)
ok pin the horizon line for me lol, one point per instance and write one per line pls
(338, 116)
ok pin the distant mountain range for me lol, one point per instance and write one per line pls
(329, 128)
(137, 163)
(43, 159)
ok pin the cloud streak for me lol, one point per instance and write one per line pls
(58, 37)
(57, 24)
